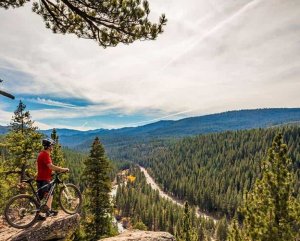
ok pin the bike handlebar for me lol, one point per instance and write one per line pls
(57, 174)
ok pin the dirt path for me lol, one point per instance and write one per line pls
(154, 186)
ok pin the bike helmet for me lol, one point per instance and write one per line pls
(48, 142)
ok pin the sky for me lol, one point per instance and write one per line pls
(214, 56)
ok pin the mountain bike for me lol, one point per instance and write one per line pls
(23, 210)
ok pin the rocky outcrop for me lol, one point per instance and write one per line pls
(62, 226)
(53, 228)
(142, 236)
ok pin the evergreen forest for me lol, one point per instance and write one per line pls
(212, 171)
(143, 208)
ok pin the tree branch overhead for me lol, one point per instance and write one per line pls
(108, 22)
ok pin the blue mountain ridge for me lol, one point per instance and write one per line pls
(225, 121)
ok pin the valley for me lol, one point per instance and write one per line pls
(210, 171)
(180, 203)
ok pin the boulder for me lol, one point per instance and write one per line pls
(53, 228)
(142, 236)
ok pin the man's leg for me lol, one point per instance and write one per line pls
(49, 202)
(41, 194)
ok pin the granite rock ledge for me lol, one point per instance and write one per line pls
(53, 228)
(136, 235)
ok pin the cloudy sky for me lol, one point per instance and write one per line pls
(214, 56)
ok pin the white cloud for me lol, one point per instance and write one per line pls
(215, 55)
(50, 102)
(70, 113)
(43, 126)
(5, 117)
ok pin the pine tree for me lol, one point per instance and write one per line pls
(234, 232)
(57, 155)
(201, 233)
(140, 226)
(97, 193)
(270, 210)
(21, 120)
(22, 143)
(186, 223)
(221, 230)
(189, 233)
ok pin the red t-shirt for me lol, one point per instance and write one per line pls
(44, 172)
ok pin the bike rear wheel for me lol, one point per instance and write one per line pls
(70, 198)
(21, 211)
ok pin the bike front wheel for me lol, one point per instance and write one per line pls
(70, 198)
(21, 211)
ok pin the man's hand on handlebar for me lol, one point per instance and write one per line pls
(65, 170)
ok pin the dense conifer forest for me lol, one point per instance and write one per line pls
(214, 170)
(74, 161)
(140, 205)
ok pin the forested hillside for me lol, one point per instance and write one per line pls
(215, 123)
(75, 162)
(212, 170)
(145, 209)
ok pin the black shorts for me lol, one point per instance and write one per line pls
(42, 188)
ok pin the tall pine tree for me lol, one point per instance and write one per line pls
(221, 229)
(97, 193)
(270, 211)
(188, 233)
(187, 223)
(22, 143)
(234, 230)
(57, 155)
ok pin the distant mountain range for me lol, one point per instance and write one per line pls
(226, 121)
(231, 120)
(3, 130)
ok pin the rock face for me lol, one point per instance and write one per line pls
(53, 228)
(142, 236)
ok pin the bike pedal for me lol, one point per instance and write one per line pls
(41, 218)
(52, 213)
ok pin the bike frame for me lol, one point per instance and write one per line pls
(53, 184)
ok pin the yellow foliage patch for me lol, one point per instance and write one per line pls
(131, 178)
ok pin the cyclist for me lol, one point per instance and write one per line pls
(45, 168)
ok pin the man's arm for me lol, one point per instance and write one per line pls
(57, 168)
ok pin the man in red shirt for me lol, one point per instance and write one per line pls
(45, 168)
